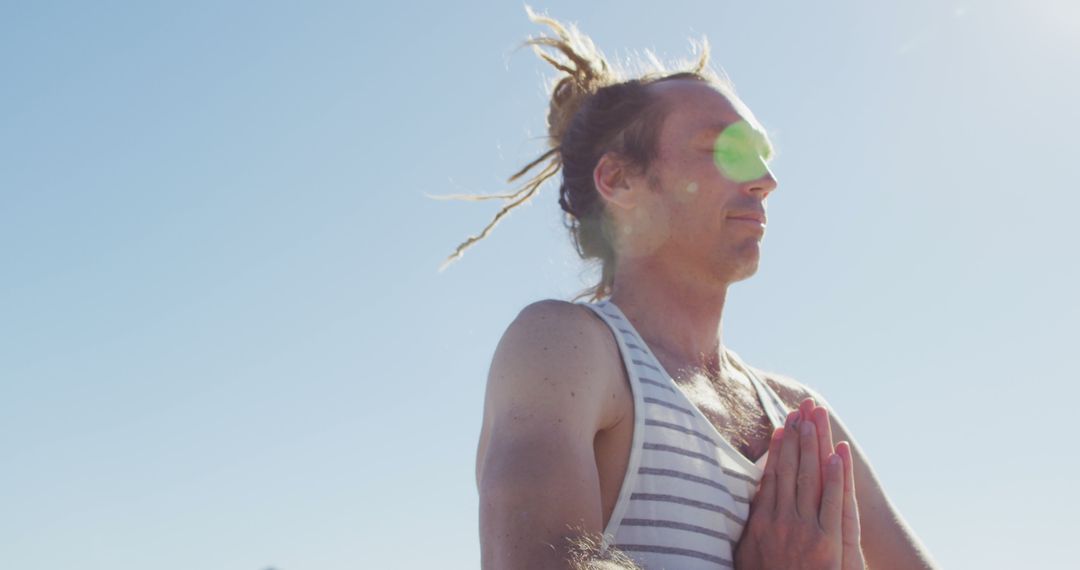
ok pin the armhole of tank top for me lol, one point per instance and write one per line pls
(782, 409)
(777, 411)
(625, 490)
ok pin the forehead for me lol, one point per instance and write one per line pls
(696, 108)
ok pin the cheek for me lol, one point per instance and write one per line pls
(689, 176)
(646, 230)
(687, 191)
(695, 179)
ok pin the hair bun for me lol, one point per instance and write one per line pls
(584, 71)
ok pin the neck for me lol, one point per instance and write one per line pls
(680, 317)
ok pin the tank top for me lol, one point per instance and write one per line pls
(686, 494)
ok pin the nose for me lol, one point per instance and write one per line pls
(764, 185)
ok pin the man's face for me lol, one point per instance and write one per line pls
(710, 169)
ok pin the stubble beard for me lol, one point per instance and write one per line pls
(742, 262)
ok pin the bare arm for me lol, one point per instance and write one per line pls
(548, 394)
(888, 543)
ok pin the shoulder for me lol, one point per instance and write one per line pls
(792, 393)
(553, 313)
(551, 327)
(553, 350)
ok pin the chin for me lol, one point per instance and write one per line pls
(744, 270)
(748, 264)
(748, 273)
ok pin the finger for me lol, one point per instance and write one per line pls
(787, 466)
(806, 409)
(765, 500)
(852, 532)
(832, 498)
(824, 431)
(808, 485)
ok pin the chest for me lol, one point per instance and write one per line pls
(735, 412)
(733, 408)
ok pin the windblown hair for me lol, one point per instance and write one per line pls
(594, 110)
(586, 553)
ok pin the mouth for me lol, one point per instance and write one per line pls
(756, 219)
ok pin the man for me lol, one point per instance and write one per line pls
(622, 433)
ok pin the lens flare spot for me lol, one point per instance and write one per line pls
(739, 152)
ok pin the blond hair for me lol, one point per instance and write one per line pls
(594, 109)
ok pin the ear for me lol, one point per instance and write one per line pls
(611, 178)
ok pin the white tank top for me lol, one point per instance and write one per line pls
(686, 494)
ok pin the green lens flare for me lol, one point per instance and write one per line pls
(736, 152)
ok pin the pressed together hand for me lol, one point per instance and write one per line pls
(804, 515)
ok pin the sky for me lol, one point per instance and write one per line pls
(225, 343)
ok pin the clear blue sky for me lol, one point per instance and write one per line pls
(224, 343)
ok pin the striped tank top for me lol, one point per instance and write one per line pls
(686, 494)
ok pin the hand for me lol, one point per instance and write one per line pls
(802, 516)
(853, 555)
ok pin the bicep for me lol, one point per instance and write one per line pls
(536, 468)
(536, 492)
